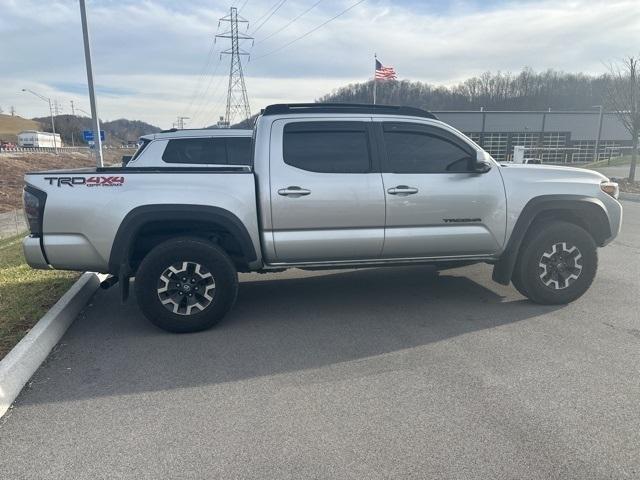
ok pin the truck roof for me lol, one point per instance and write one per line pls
(199, 132)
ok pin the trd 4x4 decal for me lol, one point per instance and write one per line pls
(99, 181)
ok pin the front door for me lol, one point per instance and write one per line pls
(327, 200)
(436, 206)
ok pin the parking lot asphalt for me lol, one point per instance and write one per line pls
(378, 373)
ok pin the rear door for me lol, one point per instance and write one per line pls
(327, 200)
(436, 205)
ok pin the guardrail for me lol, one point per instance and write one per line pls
(42, 149)
(52, 150)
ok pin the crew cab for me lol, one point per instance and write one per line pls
(323, 186)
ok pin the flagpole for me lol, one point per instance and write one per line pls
(375, 84)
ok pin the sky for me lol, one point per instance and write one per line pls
(156, 59)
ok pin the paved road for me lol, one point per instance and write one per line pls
(381, 373)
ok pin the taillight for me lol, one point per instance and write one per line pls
(33, 201)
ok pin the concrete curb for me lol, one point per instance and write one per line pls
(24, 359)
(631, 197)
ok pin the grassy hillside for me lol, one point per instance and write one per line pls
(10, 127)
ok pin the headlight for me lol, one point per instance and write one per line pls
(33, 201)
(610, 188)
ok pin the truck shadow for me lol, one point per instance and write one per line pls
(279, 326)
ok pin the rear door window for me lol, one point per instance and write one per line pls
(327, 147)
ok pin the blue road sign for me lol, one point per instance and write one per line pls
(88, 135)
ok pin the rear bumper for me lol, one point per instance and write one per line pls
(33, 253)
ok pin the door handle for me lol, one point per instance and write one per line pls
(293, 192)
(402, 190)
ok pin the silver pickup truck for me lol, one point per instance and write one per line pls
(317, 186)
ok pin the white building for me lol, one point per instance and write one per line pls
(33, 138)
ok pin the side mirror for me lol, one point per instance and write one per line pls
(482, 162)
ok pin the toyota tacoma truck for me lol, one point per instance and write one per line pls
(317, 186)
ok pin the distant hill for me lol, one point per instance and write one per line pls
(526, 90)
(117, 132)
(11, 126)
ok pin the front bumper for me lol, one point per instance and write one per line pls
(33, 253)
(614, 212)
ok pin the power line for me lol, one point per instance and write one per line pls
(217, 103)
(243, 5)
(309, 32)
(290, 22)
(204, 97)
(203, 110)
(267, 12)
(282, 2)
(201, 77)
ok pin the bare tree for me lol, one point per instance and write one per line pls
(623, 96)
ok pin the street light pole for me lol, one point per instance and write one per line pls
(597, 156)
(53, 124)
(92, 95)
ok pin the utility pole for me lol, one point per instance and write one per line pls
(92, 94)
(237, 99)
(73, 109)
(13, 111)
(180, 122)
(596, 155)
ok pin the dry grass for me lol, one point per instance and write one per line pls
(25, 294)
(13, 166)
(10, 127)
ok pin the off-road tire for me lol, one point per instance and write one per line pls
(557, 263)
(211, 264)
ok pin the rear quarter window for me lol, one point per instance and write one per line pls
(203, 151)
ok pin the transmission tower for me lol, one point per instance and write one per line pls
(179, 124)
(56, 107)
(237, 99)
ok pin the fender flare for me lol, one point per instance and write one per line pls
(584, 206)
(136, 219)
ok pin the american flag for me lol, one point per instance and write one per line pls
(384, 73)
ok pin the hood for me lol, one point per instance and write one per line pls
(553, 171)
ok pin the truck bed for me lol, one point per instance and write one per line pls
(85, 207)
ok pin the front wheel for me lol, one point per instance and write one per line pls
(186, 285)
(557, 263)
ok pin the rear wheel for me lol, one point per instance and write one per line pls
(557, 263)
(186, 285)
